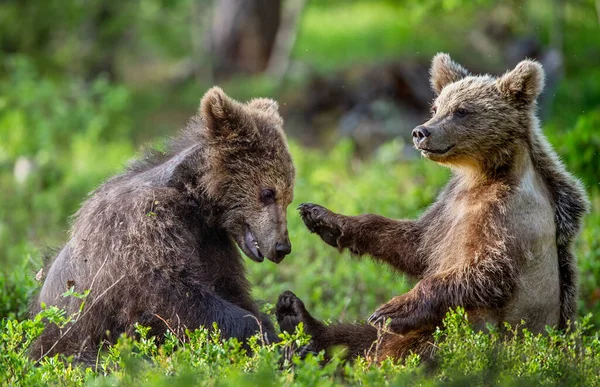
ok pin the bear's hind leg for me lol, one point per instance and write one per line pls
(400, 346)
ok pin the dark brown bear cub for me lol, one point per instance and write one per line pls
(498, 240)
(157, 245)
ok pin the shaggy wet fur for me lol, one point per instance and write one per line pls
(498, 240)
(156, 245)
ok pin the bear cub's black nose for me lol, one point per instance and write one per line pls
(419, 134)
(283, 249)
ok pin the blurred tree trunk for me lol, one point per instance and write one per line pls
(558, 21)
(201, 65)
(286, 37)
(242, 35)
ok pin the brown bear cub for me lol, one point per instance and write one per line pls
(157, 244)
(498, 240)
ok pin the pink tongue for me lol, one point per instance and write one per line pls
(249, 240)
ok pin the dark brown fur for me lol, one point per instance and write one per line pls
(498, 241)
(156, 245)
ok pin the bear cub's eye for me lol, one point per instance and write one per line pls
(267, 196)
(461, 112)
(433, 110)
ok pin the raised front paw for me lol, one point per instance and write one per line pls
(290, 312)
(321, 221)
(402, 313)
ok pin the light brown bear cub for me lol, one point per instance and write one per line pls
(498, 240)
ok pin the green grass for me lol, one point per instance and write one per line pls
(76, 134)
(336, 34)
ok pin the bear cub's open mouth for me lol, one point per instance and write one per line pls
(438, 152)
(252, 246)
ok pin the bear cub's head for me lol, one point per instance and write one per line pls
(250, 174)
(478, 121)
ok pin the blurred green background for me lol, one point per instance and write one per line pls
(84, 83)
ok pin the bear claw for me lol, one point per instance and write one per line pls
(319, 220)
(290, 311)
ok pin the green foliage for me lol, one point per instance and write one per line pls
(580, 148)
(71, 129)
(202, 357)
(17, 283)
(83, 38)
(511, 354)
(589, 264)
(72, 134)
(328, 31)
(18, 368)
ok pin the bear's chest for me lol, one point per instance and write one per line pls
(459, 231)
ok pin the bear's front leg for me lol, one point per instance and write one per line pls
(395, 242)
(335, 229)
(319, 220)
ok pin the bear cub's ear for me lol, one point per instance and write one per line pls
(267, 105)
(221, 114)
(445, 71)
(523, 84)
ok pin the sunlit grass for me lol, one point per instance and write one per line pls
(336, 34)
